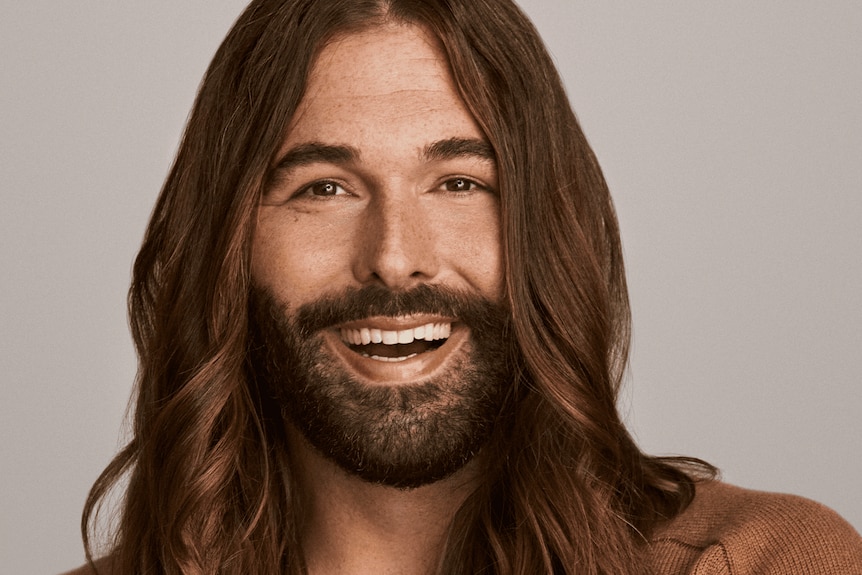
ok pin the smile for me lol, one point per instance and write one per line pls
(391, 345)
(397, 349)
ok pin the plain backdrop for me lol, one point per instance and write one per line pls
(731, 136)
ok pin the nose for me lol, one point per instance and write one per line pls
(397, 246)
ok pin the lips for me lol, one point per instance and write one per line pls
(389, 349)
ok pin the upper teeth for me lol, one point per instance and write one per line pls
(366, 335)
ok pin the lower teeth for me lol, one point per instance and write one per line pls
(389, 359)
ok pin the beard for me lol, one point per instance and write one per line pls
(404, 435)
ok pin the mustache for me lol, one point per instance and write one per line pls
(353, 304)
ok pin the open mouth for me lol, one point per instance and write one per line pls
(395, 345)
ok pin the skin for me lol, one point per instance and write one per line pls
(365, 193)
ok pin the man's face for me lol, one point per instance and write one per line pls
(377, 267)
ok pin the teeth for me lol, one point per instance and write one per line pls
(389, 359)
(365, 335)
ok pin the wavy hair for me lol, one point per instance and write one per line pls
(210, 488)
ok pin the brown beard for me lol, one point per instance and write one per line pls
(402, 436)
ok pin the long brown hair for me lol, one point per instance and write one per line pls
(209, 484)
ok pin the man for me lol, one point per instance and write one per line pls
(382, 320)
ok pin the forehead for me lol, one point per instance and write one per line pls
(380, 59)
(393, 76)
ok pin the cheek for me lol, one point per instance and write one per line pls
(297, 262)
(477, 248)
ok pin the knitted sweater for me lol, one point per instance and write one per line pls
(732, 531)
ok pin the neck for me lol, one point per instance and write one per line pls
(350, 526)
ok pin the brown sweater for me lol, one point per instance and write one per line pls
(733, 531)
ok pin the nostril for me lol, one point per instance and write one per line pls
(398, 265)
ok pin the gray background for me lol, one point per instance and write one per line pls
(730, 133)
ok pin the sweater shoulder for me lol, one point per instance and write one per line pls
(732, 531)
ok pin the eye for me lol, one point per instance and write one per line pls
(461, 185)
(322, 189)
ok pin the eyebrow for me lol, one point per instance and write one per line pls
(314, 153)
(448, 149)
(452, 148)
